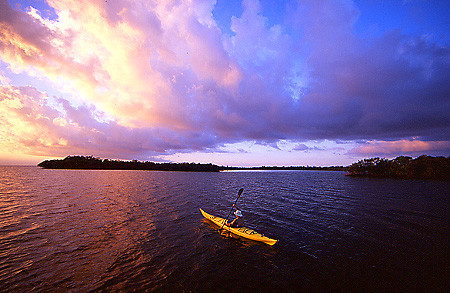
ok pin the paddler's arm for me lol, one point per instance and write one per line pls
(230, 224)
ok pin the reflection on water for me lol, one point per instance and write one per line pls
(135, 230)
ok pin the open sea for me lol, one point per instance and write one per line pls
(103, 231)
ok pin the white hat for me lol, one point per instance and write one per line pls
(238, 213)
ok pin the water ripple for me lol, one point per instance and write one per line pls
(69, 230)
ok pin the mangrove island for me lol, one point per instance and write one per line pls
(92, 163)
(423, 167)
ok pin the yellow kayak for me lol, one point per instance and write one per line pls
(244, 232)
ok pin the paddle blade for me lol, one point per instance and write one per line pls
(240, 192)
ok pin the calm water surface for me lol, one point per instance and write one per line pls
(80, 231)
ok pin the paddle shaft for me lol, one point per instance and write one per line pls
(239, 195)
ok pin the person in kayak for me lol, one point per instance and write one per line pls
(239, 221)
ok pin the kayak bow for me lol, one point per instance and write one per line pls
(244, 232)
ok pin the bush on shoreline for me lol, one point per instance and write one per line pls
(423, 167)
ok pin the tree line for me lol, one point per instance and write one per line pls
(423, 167)
(92, 163)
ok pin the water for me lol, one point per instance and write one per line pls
(80, 231)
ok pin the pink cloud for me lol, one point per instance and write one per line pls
(376, 148)
(31, 126)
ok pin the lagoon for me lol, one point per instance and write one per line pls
(100, 230)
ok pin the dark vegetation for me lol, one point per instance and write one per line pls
(423, 167)
(81, 162)
(90, 162)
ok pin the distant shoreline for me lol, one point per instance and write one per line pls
(423, 167)
(92, 163)
(289, 168)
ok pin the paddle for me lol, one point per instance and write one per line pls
(239, 194)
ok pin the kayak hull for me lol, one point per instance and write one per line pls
(243, 232)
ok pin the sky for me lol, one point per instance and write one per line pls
(228, 82)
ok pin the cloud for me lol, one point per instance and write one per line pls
(399, 147)
(27, 124)
(27, 42)
(301, 147)
(385, 88)
(171, 80)
(31, 126)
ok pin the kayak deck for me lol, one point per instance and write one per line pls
(244, 232)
